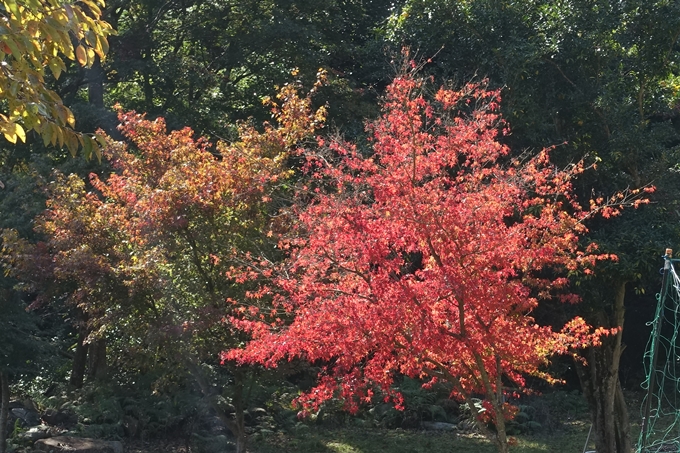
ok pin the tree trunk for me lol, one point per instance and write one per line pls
(601, 386)
(239, 409)
(495, 395)
(4, 410)
(622, 426)
(95, 83)
(97, 366)
(499, 438)
(79, 362)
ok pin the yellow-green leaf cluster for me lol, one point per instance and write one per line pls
(36, 36)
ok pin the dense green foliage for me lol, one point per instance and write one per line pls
(205, 64)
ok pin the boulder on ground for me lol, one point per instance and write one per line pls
(28, 417)
(438, 426)
(78, 445)
(61, 417)
(38, 432)
(30, 404)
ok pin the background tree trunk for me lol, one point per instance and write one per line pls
(97, 366)
(239, 406)
(79, 362)
(601, 386)
(95, 83)
(4, 410)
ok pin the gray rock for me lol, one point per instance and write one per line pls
(30, 405)
(78, 445)
(213, 424)
(27, 416)
(438, 426)
(61, 417)
(37, 433)
(214, 443)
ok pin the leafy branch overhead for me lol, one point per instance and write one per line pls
(36, 35)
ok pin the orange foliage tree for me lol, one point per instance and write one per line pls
(145, 253)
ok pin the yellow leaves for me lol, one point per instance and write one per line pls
(47, 134)
(81, 55)
(72, 142)
(90, 56)
(101, 139)
(61, 18)
(64, 116)
(12, 138)
(93, 6)
(56, 66)
(102, 47)
(34, 36)
(33, 5)
(67, 50)
(92, 40)
(69, 11)
(57, 135)
(13, 7)
(12, 130)
(85, 55)
(19, 131)
(13, 46)
(92, 145)
(70, 119)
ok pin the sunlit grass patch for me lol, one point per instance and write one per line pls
(340, 447)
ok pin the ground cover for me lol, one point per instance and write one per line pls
(570, 438)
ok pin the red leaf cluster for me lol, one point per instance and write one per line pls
(427, 257)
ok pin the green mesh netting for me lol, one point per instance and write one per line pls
(661, 406)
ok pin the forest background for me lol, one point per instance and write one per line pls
(598, 80)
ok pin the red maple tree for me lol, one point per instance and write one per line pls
(426, 258)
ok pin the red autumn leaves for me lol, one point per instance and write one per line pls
(422, 256)
(426, 256)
